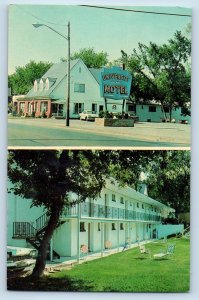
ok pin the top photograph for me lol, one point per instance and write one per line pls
(99, 76)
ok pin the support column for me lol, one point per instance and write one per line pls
(118, 236)
(78, 232)
(102, 238)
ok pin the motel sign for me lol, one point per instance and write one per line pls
(115, 83)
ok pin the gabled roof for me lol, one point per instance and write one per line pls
(96, 74)
(55, 75)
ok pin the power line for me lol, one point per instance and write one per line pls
(39, 19)
(137, 11)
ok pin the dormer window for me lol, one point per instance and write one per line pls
(35, 86)
(41, 85)
(47, 84)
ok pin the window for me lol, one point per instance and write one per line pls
(44, 106)
(142, 206)
(79, 88)
(113, 226)
(99, 226)
(78, 108)
(152, 108)
(132, 107)
(113, 198)
(35, 86)
(29, 107)
(121, 226)
(36, 106)
(21, 106)
(47, 84)
(41, 85)
(82, 227)
(94, 107)
(121, 200)
(80, 69)
(138, 205)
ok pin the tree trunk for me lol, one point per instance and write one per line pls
(43, 249)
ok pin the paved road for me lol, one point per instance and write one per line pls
(54, 133)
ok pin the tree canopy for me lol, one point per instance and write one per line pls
(91, 58)
(22, 80)
(161, 72)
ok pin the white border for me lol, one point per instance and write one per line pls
(194, 292)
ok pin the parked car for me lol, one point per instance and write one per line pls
(88, 115)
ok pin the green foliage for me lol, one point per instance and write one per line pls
(169, 179)
(91, 58)
(162, 72)
(22, 80)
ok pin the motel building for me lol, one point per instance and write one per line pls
(118, 215)
(48, 96)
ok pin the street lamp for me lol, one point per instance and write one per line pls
(36, 25)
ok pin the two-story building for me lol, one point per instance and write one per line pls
(49, 93)
(118, 215)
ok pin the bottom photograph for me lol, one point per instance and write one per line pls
(98, 220)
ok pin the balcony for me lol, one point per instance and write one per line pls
(91, 210)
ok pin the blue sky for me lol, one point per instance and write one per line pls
(104, 30)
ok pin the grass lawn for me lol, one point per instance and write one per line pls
(127, 271)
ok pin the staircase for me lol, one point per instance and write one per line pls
(34, 236)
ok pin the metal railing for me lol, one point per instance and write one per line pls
(42, 221)
(101, 211)
(23, 230)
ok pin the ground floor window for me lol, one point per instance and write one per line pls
(94, 108)
(121, 226)
(101, 107)
(132, 107)
(82, 227)
(44, 106)
(113, 226)
(152, 108)
(21, 106)
(78, 108)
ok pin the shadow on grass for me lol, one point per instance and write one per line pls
(47, 283)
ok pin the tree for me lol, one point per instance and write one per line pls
(47, 177)
(22, 80)
(161, 73)
(91, 58)
(169, 179)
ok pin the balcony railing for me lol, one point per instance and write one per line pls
(108, 212)
(23, 230)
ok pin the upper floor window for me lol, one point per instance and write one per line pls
(47, 84)
(121, 200)
(142, 206)
(41, 85)
(99, 226)
(138, 205)
(79, 88)
(152, 108)
(35, 86)
(113, 198)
